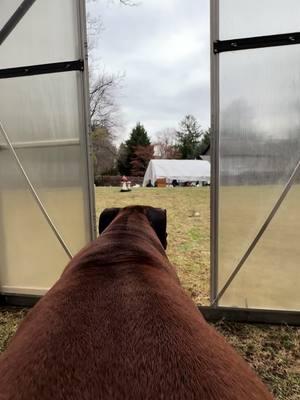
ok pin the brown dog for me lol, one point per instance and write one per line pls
(118, 325)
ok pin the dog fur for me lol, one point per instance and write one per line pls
(118, 325)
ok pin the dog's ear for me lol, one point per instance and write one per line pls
(106, 217)
(158, 220)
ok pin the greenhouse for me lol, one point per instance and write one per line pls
(47, 210)
(256, 168)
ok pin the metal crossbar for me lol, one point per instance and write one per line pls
(34, 193)
(15, 19)
(40, 69)
(42, 143)
(256, 42)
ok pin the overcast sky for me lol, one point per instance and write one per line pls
(162, 47)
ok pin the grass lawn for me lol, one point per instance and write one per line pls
(273, 351)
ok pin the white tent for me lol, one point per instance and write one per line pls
(181, 170)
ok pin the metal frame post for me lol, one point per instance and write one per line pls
(214, 59)
(85, 136)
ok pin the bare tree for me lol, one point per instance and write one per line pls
(104, 152)
(104, 110)
(165, 145)
(142, 156)
(95, 23)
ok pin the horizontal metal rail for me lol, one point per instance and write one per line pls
(256, 42)
(250, 315)
(23, 290)
(52, 68)
(42, 143)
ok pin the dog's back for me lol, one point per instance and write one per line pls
(118, 325)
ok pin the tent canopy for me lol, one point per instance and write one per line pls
(181, 170)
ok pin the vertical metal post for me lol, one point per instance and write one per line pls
(86, 123)
(215, 108)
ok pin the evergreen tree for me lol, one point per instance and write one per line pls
(138, 137)
(188, 137)
(127, 153)
(205, 142)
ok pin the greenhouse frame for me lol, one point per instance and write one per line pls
(47, 211)
(255, 227)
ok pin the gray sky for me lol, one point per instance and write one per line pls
(162, 47)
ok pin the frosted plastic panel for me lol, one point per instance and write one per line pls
(44, 118)
(240, 18)
(47, 167)
(31, 258)
(47, 33)
(259, 148)
(43, 107)
(7, 8)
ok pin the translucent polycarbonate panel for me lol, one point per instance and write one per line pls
(47, 33)
(44, 117)
(31, 258)
(43, 107)
(48, 166)
(259, 149)
(270, 277)
(257, 18)
(7, 8)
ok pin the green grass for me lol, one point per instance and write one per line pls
(273, 351)
(9, 321)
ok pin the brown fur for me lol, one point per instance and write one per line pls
(118, 325)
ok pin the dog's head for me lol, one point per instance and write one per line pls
(157, 218)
